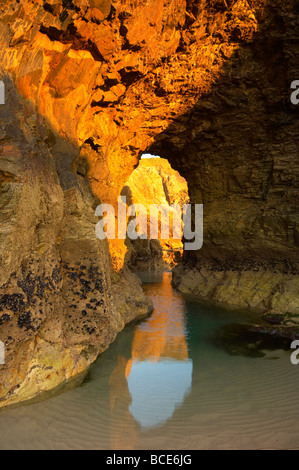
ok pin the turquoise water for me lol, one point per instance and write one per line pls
(164, 385)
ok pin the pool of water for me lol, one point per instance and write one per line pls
(164, 385)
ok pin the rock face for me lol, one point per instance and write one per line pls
(61, 303)
(239, 148)
(205, 84)
(155, 182)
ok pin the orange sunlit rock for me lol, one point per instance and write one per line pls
(155, 182)
(136, 59)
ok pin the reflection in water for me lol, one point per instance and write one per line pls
(123, 436)
(138, 396)
(159, 363)
(159, 372)
(165, 387)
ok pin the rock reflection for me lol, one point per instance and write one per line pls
(154, 381)
(123, 434)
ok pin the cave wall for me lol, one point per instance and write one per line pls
(110, 76)
(91, 85)
(61, 301)
(239, 150)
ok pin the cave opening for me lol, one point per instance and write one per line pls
(155, 183)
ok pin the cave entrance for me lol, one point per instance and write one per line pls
(154, 181)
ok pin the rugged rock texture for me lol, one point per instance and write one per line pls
(239, 148)
(61, 303)
(155, 182)
(204, 84)
(111, 75)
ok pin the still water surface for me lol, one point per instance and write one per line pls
(164, 385)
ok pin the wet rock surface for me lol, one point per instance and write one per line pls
(254, 340)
